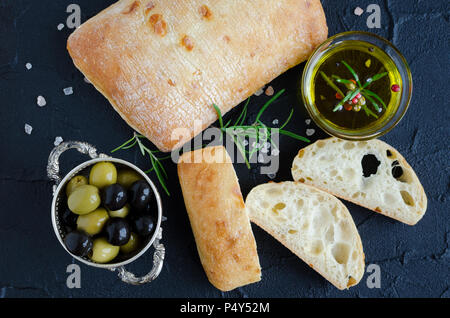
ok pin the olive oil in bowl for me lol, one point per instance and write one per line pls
(356, 86)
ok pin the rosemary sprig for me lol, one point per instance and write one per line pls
(349, 96)
(157, 166)
(374, 103)
(330, 83)
(257, 130)
(374, 78)
(369, 112)
(370, 93)
(355, 76)
(372, 97)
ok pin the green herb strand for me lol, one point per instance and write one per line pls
(157, 166)
(239, 132)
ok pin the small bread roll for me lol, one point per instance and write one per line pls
(218, 217)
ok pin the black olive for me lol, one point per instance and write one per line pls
(397, 172)
(388, 153)
(143, 225)
(395, 163)
(68, 218)
(78, 243)
(369, 165)
(117, 231)
(114, 197)
(140, 195)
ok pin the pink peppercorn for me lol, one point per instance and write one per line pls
(355, 100)
(395, 88)
(358, 96)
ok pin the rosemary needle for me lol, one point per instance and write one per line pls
(258, 130)
(157, 166)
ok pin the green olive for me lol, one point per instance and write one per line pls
(74, 183)
(102, 251)
(103, 174)
(131, 245)
(92, 223)
(84, 199)
(126, 177)
(121, 213)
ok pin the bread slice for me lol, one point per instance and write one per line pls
(348, 169)
(314, 225)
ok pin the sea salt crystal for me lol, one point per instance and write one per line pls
(58, 141)
(163, 219)
(60, 27)
(245, 142)
(308, 121)
(265, 147)
(358, 11)
(275, 152)
(28, 66)
(68, 91)
(272, 175)
(87, 81)
(259, 91)
(310, 132)
(261, 158)
(28, 129)
(41, 101)
(275, 121)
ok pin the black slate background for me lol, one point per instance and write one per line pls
(414, 261)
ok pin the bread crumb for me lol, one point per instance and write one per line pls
(269, 91)
(259, 91)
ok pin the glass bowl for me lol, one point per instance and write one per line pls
(381, 126)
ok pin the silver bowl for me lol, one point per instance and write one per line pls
(59, 196)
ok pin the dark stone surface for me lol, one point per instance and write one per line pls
(414, 260)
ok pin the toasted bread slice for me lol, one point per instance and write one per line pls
(314, 225)
(368, 173)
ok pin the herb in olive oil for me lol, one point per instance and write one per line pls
(356, 85)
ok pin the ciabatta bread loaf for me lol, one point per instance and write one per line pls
(163, 63)
(314, 225)
(219, 221)
(368, 173)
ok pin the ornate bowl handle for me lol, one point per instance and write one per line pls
(158, 259)
(53, 159)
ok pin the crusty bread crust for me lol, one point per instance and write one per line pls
(263, 222)
(218, 218)
(325, 184)
(159, 82)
